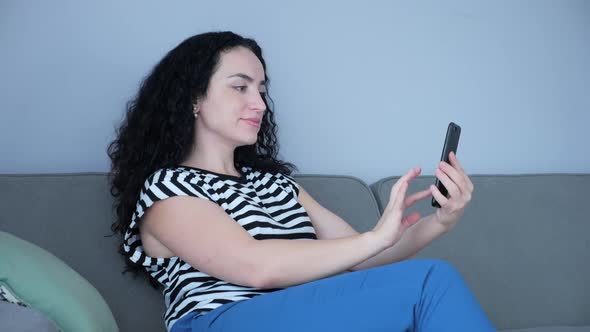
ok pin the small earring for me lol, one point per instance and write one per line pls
(196, 110)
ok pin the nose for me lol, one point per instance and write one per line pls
(257, 102)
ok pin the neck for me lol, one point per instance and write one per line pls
(213, 156)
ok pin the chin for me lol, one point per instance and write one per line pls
(252, 141)
(247, 140)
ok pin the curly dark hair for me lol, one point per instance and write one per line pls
(159, 126)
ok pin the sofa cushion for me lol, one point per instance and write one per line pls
(522, 245)
(16, 318)
(42, 281)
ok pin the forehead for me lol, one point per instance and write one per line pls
(240, 60)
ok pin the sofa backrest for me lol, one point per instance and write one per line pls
(523, 245)
(347, 196)
(70, 216)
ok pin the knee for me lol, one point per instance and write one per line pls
(441, 268)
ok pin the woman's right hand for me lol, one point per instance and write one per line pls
(393, 224)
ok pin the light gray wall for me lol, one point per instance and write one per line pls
(361, 88)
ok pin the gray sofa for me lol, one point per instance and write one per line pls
(522, 245)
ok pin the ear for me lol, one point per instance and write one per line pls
(196, 101)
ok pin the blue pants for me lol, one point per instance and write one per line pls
(412, 295)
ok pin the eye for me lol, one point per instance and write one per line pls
(241, 88)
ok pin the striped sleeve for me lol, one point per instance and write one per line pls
(291, 185)
(160, 185)
(169, 183)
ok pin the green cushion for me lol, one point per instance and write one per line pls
(44, 282)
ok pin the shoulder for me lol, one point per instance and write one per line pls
(175, 181)
(288, 183)
(161, 185)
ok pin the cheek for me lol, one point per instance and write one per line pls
(224, 110)
(224, 119)
(227, 103)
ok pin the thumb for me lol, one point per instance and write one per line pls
(410, 219)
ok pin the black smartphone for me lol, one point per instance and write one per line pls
(451, 144)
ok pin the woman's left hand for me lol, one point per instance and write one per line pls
(460, 189)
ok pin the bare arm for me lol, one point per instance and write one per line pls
(330, 226)
(414, 239)
(202, 234)
(289, 262)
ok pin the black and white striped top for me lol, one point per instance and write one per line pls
(264, 204)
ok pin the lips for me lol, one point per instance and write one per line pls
(253, 121)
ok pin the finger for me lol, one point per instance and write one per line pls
(400, 197)
(455, 175)
(411, 219)
(455, 162)
(448, 183)
(440, 198)
(416, 197)
(412, 173)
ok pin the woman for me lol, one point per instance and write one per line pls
(210, 213)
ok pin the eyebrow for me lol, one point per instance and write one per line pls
(246, 77)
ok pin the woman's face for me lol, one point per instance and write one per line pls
(233, 107)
